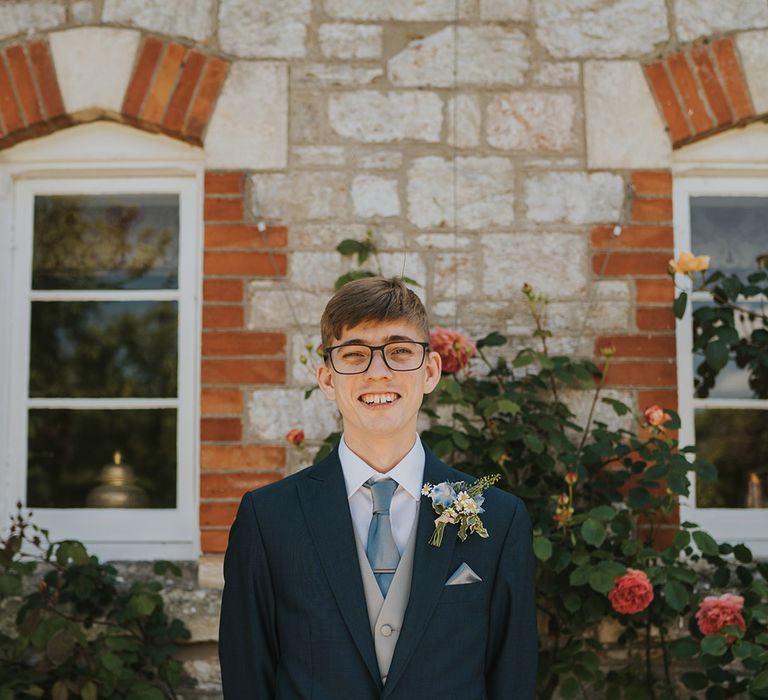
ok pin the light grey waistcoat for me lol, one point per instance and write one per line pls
(386, 614)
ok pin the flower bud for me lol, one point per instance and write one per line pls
(571, 478)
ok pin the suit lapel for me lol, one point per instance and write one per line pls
(430, 571)
(323, 498)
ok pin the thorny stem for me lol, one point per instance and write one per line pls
(596, 396)
(496, 376)
(648, 669)
(665, 657)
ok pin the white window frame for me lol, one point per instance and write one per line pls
(732, 525)
(101, 158)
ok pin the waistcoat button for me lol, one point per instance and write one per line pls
(386, 630)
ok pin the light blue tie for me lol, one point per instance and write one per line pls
(381, 550)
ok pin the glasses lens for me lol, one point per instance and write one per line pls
(404, 356)
(349, 359)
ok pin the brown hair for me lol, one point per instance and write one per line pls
(371, 299)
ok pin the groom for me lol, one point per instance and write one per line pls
(332, 590)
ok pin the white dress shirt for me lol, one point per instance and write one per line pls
(409, 475)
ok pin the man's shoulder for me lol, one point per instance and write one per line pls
(278, 491)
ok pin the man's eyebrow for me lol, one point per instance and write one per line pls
(388, 339)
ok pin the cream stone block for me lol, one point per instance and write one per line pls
(484, 189)
(486, 56)
(173, 17)
(375, 196)
(697, 18)
(505, 10)
(553, 263)
(454, 274)
(346, 40)
(464, 117)
(324, 236)
(249, 127)
(624, 127)
(273, 412)
(406, 10)
(753, 47)
(269, 305)
(574, 198)
(531, 121)
(93, 65)
(300, 196)
(319, 155)
(379, 160)
(264, 29)
(375, 117)
(333, 74)
(557, 74)
(18, 17)
(600, 29)
(83, 11)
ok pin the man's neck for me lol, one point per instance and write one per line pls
(381, 455)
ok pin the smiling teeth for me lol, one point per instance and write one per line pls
(378, 398)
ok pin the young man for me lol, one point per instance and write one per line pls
(332, 589)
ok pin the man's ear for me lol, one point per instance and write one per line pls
(324, 378)
(434, 368)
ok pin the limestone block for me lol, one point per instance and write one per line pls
(406, 10)
(198, 609)
(697, 18)
(554, 263)
(464, 121)
(174, 17)
(347, 40)
(17, 17)
(531, 121)
(300, 196)
(264, 29)
(324, 236)
(580, 403)
(598, 316)
(484, 188)
(375, 196)
(271, 306)
(333, 74)
(584, 28)
(93, 65)
(317, 271)
(83, 12)
(210, 571)
(504, 9)
(307, 116)
(574, 198)
(371, 116)
(753, 47)
(624, 127)
(454, 275)
(249, 127)
(444, 241)
(318, 155)
(486, 56)
(273, 412)
(557, 74)
(379, 160)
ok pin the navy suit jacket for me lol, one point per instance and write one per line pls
(294, 623)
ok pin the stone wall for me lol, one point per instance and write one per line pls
(484, 143)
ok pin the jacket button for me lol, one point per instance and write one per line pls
(386, 630)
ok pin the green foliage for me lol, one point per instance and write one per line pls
(80, 633)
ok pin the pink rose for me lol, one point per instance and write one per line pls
(454, 348)
(632, 593)
(295, 437)
(716, 612)
(655, 416)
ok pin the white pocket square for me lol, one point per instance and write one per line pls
(463, 575)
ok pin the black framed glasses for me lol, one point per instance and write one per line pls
(356, 358)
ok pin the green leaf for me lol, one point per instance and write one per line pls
(111, 662)
(717, 354)
(60, 646)
(162, 566)
(572, 602)
(533, 443)
(601, 581)
(59, 691)
(694, 681)
(603, 513)
(507, 406)
(742, 553)
(71, 550)
(580, 575)
(760, 681)
(491, 340)
(682, 539)
(593, 532)
(619, 407)
(684, 647)
(569, 688)
(705, 543)
(679, 306)
(676, 595)
(714, 645)
(89, 691)
(349, 246)
(10, 584)
(542, 548)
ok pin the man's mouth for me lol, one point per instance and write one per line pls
(372, 399)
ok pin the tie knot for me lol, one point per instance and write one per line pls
(382, 491)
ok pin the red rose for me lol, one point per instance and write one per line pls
(655, 416)
(295, 436)
(716, 612)
(632, 593)
(454, 348)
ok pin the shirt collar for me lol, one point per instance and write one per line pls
(408, 472)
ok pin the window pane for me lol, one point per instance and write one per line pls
(732, 381)
(732, 230)
(103, 349)
(736, 441)
(116, 241)
(67, 450)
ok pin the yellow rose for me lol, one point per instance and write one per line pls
(688, 262)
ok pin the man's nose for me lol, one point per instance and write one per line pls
(378, 365)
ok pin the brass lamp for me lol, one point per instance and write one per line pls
(117, 489)
(754, 491)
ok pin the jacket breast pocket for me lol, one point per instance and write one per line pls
(464, 593)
